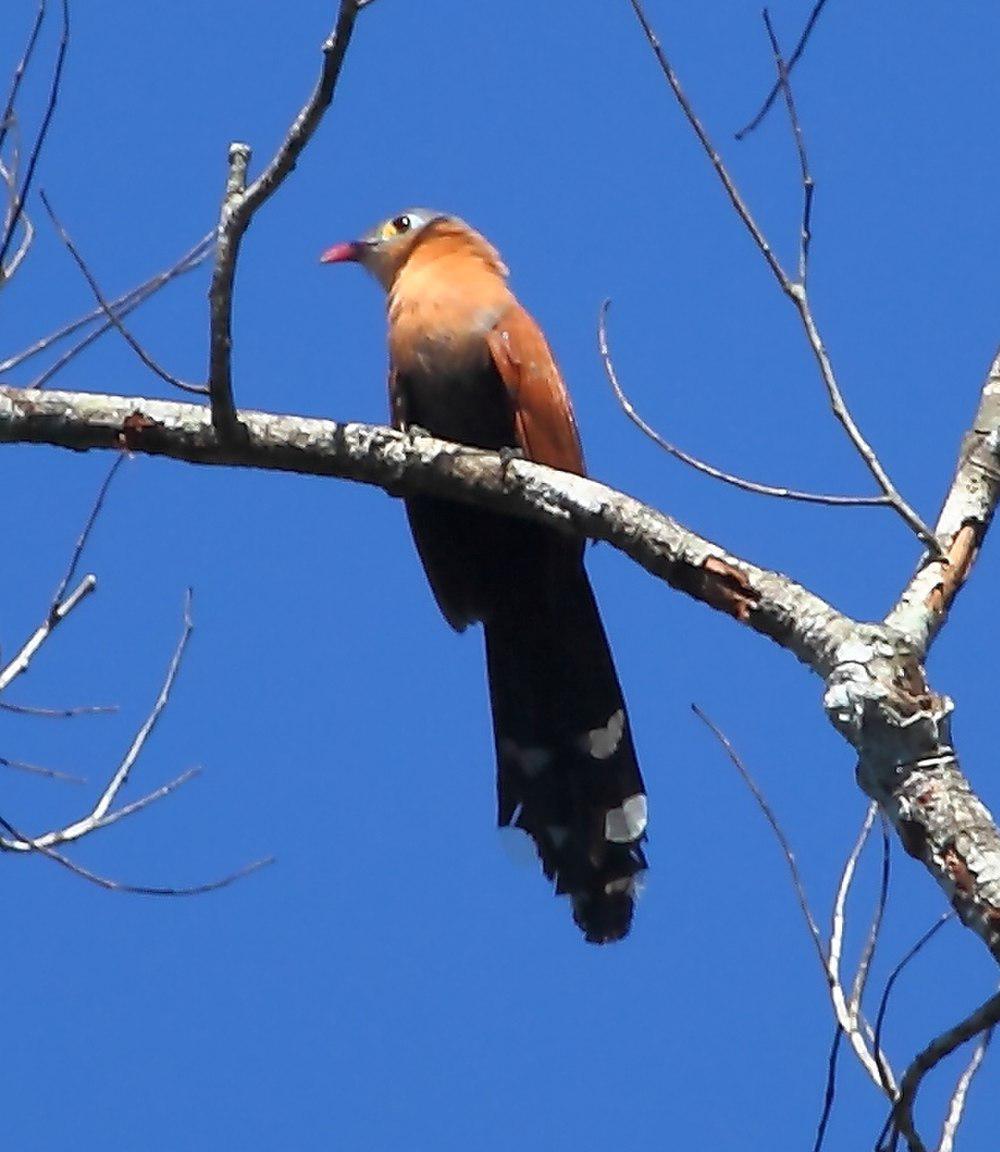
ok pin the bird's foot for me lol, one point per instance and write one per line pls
(507, 457)
(415, 431)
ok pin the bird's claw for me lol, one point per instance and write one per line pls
(508, 456)
(414, 432)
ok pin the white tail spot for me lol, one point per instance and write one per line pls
(530, 760)
(602, 743)
(627, 823)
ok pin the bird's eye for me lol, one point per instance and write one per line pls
(402, 224)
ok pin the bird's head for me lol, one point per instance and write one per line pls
(386, 247)
(389, 245)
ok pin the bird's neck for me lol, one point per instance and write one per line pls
(448, 291)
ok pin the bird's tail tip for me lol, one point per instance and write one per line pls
(604, 904)
(606, 916)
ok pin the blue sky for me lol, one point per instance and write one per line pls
(394, 981)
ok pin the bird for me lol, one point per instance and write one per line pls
(467, 363)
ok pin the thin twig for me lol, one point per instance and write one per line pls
(737, 201)
(37, 770)
(829, 956)
(699, 465)
(891, 981)
(100, 816)
(783, 842)
(981, 1020)
(56, 615)
(121, 305)
(9, 177)
(794, 291)
(962, 525)
(58, 713)
(808, 186)
(36, 150)
(9, 173)
(870, 1059)
(7, 119)
(956, 1107)
(150, 798)
(134, 889)
(868, 952)
(121, 775)
(830, 1093)
(240, 203)
(838, 920)
(106, 308)
(62, 604)
(84, 536)
(792, 61)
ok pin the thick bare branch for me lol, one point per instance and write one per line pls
(879, 700)
(402, 464)
(961, 527)
(876, 693)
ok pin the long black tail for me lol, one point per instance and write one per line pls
(566, 767)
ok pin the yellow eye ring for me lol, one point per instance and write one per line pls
(396, 227)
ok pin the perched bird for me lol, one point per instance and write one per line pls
(467, 363)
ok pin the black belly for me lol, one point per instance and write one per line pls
(475, 559)
(468, 404)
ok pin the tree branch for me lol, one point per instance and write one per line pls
(36, 151)
(846, 1012)
(403, 464)
(961, 527)
(240, 203)
(706, 469)
(108, 311)
(792, 61)
(57, 613)
(8, 115)
(876, 694)
(121, 306)
(796, 292)
(101, 815)
(983, 1019)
